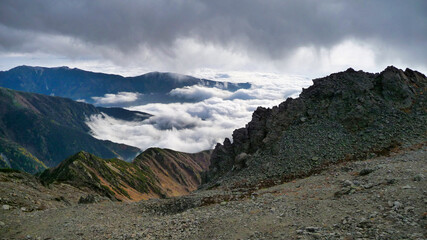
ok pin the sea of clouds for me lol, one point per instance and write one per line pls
(196, 126)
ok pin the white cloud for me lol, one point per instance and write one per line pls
(121, 97)
(192, 127)
(197, 92)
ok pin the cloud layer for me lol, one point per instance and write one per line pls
(121, 97)
(280, 36)
(193, 127)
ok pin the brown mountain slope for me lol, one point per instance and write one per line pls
(178, 173)
(113, 178)
(155, 173)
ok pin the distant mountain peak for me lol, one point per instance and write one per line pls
(80, 85)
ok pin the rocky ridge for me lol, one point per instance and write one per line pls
(346, 116)
(155, 173)
(112, 178)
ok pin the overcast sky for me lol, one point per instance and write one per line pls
(305, 37)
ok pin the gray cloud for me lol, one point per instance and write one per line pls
(128, 31)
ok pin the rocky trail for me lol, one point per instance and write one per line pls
(380, 198)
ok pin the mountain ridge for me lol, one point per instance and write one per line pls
(51, 129)
(155, 173)
(112, 178)
(178, 173)
(79, 84)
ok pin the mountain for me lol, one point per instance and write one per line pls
(15, 156)
(113, 178)
(38, 131)
(154, 173)
(345, 116)
(315, 140)
(83, 85)
(178, 173)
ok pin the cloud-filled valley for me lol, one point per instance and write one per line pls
(196, 126)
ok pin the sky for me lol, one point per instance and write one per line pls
(306, 37)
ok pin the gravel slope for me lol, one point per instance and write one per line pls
(380, 198)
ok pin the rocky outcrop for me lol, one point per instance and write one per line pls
(345, 116)
(178, 173)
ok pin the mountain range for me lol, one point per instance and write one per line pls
(346, 158)
(39, 131)
(83, 85)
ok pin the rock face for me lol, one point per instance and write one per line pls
(178, 173)
(345, 116)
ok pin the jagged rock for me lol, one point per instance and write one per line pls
(419, 177)
(240, 160)
(90, 198)
(345, 116)
(366, 171)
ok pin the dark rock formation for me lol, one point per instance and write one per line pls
(345, 116)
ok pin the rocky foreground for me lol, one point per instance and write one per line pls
(380, 198)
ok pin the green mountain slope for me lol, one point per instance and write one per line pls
(14, 156)
(52, 128)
